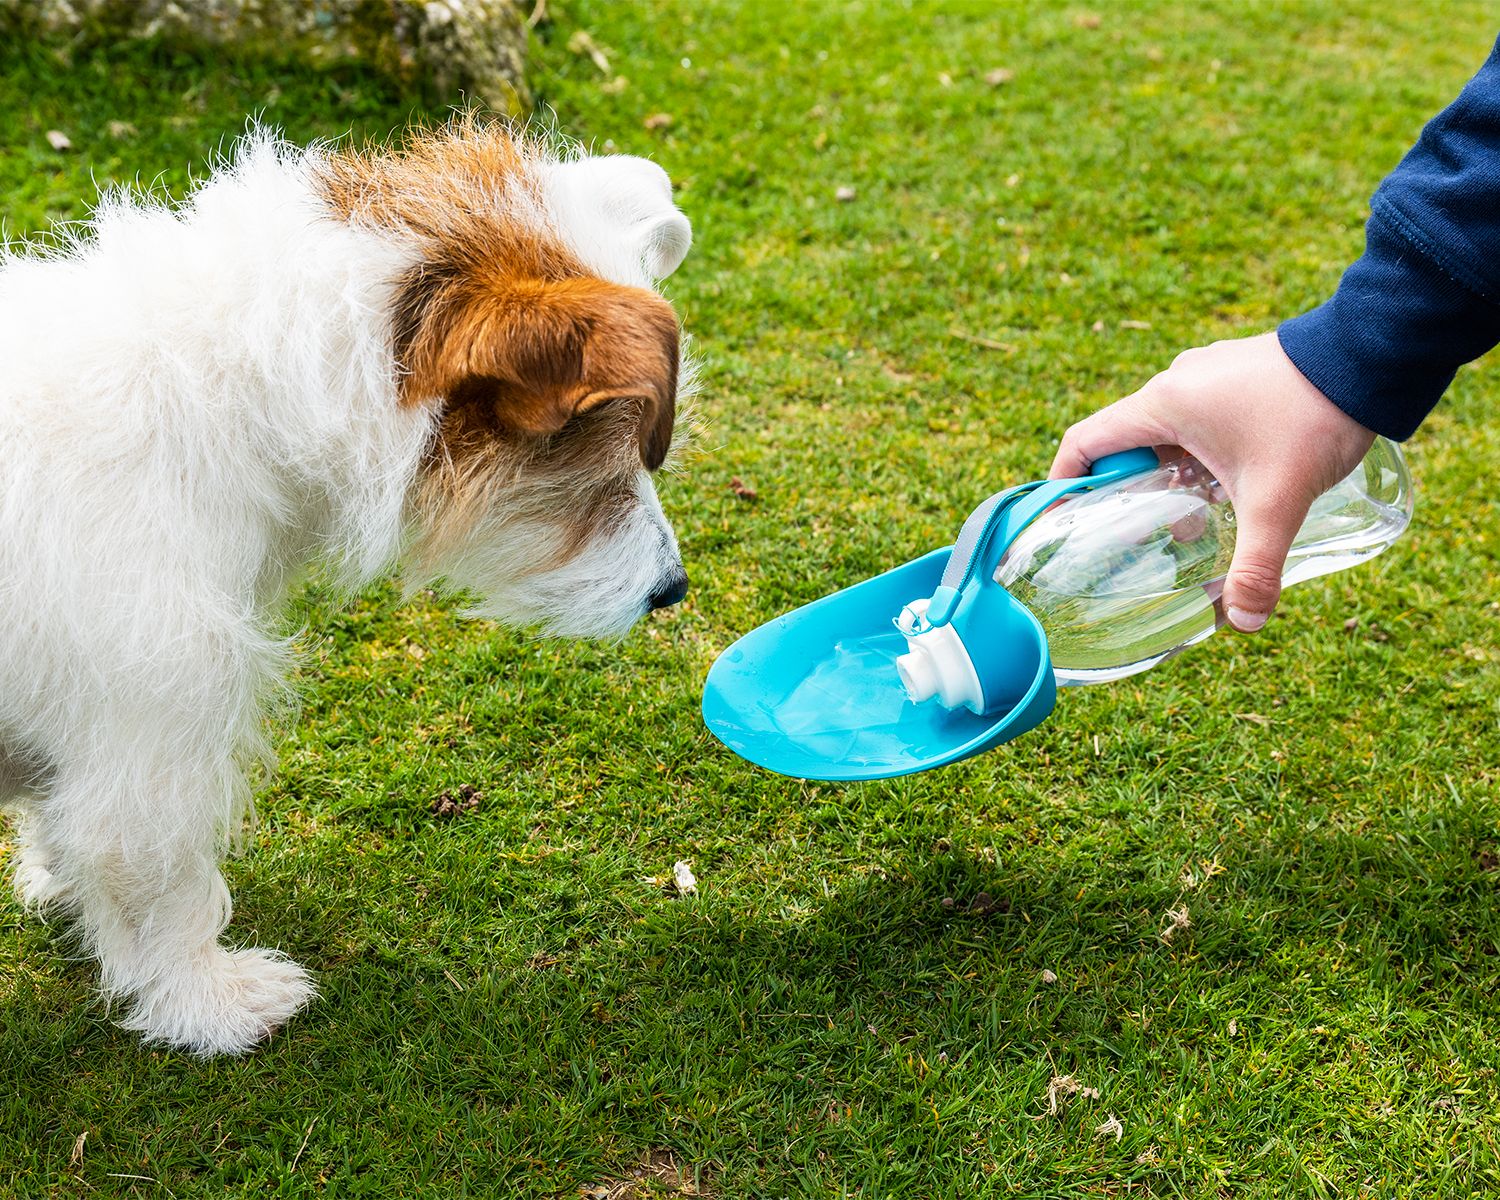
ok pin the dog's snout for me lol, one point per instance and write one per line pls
(670, 591)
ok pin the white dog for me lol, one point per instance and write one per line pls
(449, 356)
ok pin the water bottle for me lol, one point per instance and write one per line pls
(1050, 582)
(1128, 574)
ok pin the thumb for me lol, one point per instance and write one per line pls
(1265, 535)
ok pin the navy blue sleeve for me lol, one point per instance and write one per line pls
(1424, 298)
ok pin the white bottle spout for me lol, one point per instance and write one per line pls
(936, 665)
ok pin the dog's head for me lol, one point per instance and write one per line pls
(531, 329)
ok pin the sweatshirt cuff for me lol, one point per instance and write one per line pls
(1387, 344)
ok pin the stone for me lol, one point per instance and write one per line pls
(448, 50)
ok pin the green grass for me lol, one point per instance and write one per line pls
(509, 1009)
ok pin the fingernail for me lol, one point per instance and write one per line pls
(1247, 622)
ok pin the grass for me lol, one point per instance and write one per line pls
(509, 1008)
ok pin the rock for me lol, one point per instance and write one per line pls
(451, 49)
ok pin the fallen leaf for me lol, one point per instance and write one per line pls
(742, 489)
(1177, 921)
(58, 140)
(1351, 624)
(945, 79)
(657, 120)
(999, 76)
(1135, 324)
(1048, 976)
(1111, 1126)
(1087, 20)
(76, 1156)
(120, 130)
(1060, 1088)
(844, 194)
(582, 43)
(615, 86)
(1234, 1027)
(1253, 718)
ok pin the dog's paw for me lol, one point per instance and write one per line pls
(227, 1009)
(37, 888)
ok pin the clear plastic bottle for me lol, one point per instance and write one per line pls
(1127, 575)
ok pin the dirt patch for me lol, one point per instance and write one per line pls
(982, 905)
(659, 1173)
(448, 805)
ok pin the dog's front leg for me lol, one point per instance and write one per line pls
(135, 845)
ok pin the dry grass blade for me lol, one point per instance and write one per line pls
(987, 343)
(296, 1158)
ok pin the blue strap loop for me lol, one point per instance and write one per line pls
(1005, 514)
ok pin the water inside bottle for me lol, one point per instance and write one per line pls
(1127, 575)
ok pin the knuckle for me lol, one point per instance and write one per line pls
(1163, 388)
(1074, 432)
(1258, 576)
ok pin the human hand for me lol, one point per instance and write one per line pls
(1269, 436)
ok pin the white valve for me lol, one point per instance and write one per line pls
(936, 663)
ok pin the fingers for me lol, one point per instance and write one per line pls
(1123, 425)
(1265, 534)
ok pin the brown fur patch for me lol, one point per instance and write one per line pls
(499, 317)
(534, 354)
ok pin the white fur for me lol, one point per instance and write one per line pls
(617, 216)
(197, 404)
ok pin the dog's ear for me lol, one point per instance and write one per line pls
(538, 353)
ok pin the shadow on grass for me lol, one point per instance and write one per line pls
(898, 938)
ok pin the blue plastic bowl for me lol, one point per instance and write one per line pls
(815, 693)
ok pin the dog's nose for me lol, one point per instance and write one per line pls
(671, 590)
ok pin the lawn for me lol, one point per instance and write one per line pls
(855, 1003)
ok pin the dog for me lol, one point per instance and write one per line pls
(448, 356)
